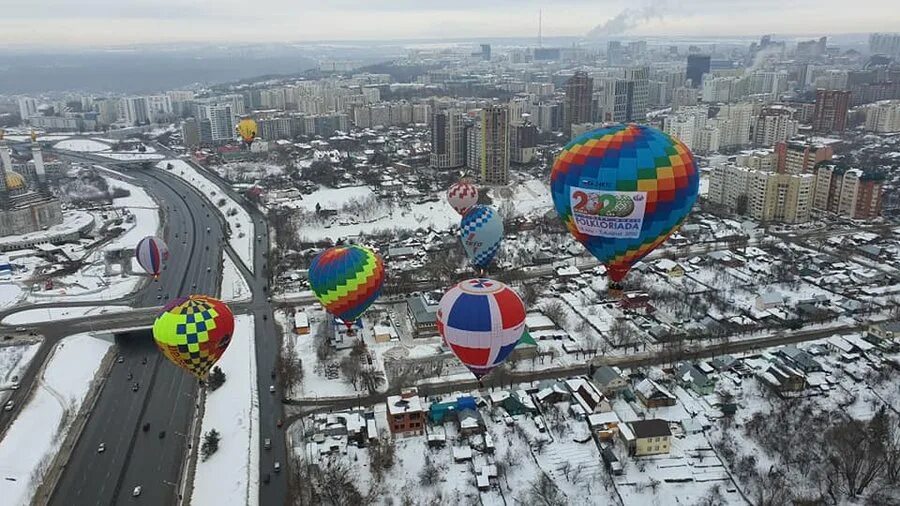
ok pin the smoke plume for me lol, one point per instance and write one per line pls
(626, 20)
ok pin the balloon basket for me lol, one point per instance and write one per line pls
(615, 291)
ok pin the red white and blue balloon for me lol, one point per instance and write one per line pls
(151, 252)
(481, 321)
(481, 231)
(461, 196)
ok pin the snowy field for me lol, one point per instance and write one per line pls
(124, 156)
(15, 359)
(315, 383)
(34, 438)
(30, 316)
(82, 145)
(230, 476)
(9, 295)
(242, 229)
(247, 171)
(234, 286)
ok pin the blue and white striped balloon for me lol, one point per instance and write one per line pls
(151, 252)
(481, 231)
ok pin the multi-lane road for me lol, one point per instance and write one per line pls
(166, 396)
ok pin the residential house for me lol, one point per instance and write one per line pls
(439, 412)
(587, 396)
(557, 392)
(654, 395)
(783, 378)
(470, 421)
(515, 403)
(800, 359)
(608, 380)
(536, 321)
(406, 415)
(301, 323)
(669, 268)
(422, 312)
(604, 425)
(637, 302)
(769, 300)
(651, 437)
(690, 376)
(886, 330)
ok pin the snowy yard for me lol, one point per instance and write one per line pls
(34, 438)
(241, 226)
(9, 295)
(234, 286)
(30, 316)
(14, 359)
(230, 476)
(82, 145)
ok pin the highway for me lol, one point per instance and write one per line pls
(166, 395)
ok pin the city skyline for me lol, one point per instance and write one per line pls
(53, 23)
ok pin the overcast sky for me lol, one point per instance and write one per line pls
(114, 22)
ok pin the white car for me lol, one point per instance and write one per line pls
(8, 407)
(272, 389)
(136, 492)
(101, 448)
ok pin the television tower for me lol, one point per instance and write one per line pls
(540, 27)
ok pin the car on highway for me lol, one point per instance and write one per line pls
(14, 385)
(277, 466)
(8, 406)
(135, 387)
(137, 491)
(279, 423)
(120, 359)
(101, 448)
(267, 444)
(271, 389)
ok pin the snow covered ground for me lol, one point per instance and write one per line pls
(9, 295)
(234, 286)
(30, 316)
(242, 229)
(230, 476)
(132, 156)
(14, 360)
(82, 145)
(145, 211)
(34, 438)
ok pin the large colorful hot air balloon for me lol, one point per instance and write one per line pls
(622, 190)
(347, 280)
(481, 321)
(193, 332)
(150, 253)
(462, 196)
(481, 231)
(246, 128)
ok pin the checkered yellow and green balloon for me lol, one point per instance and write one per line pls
(193, 332)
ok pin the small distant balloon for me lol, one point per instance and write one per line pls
(481, 321)
(622, 190)
(194, 332)
(462, 196)
(246, 128)
(481, 232)
(151, 252)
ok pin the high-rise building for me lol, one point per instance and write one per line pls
(473, 147)
(219, 122)
(697, 66)
(522, 142)
(447, 139)
(885, 43)
(579, 100)
(800, 156)
(135, 110)
(640, 92)
(190, 133)
(159, 106)
(764, 195)
(495, 145)
(774, 124)
(883, 117)
(734, 123)
(831, 110)
(107, 111)
(28, 107)
(847, 192)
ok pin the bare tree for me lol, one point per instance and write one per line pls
(351, 369)
(855, 456)
(543, 491)
(555, 311)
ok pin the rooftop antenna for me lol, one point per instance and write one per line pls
(540, 27)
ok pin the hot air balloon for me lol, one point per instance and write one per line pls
(481, 321)
(246, 128)
(347, 280)
(622, 190)
(462, 196)
(193, 332)
(151, 252)
(481, 231)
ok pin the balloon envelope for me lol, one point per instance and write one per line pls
(193, 332)
(622, 190)
(150, 253)
(462, 196)
(481, 321)
(347, 280)
(246, 128)
(481, 231)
